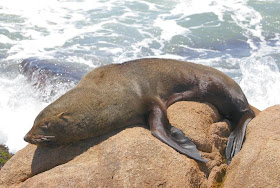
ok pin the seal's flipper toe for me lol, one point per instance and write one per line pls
(179, 136)
(188, 150)
(234, 144)
(235, 139)
(182, 140)
(229, 148)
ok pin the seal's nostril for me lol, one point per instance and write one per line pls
(26, 138)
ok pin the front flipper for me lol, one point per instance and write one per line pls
(175, 138)
(180, 137)
(236, 137)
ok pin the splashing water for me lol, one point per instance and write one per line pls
(260, 81)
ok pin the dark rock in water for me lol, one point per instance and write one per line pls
(41, 70)
(50, 77)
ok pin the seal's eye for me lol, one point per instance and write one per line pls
(46, 125)
(60, 115)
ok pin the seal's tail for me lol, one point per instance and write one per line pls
(236, 137)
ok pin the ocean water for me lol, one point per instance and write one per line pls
(61, 40)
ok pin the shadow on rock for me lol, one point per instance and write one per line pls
(46, 158)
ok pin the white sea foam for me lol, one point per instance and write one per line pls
(260, 81)
(243, 15)
(18, 109)
(20, 102)
(46, 25)
(192, 7)
(169, 28)
(5, 40)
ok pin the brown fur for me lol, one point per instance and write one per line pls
(115, 96)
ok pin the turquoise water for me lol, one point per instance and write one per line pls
(238, 37)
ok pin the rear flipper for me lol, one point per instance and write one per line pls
(236, 138)
(174, 137)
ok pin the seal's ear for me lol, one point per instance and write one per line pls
(60, 115)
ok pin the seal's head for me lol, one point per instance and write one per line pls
(47, 130)
(65, 120)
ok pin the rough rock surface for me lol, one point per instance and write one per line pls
(258, 163)
(130, 157)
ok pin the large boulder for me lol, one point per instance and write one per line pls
(258, 163)
(129, 157)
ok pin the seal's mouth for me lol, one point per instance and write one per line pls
(39, 139)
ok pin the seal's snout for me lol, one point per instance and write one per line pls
(39, 139)
(29, 138)
(26, 138)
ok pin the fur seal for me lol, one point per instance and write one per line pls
(137, 92)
